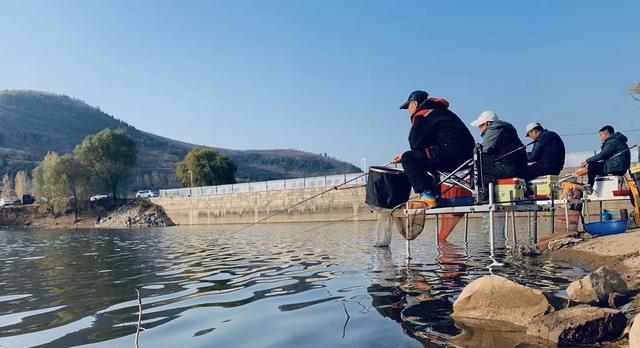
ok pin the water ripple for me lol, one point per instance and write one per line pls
(267, 286)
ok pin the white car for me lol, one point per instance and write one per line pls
(145, 194)
(5, 202)
(98, 197)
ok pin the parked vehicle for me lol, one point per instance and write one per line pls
(28, 199)
(5, 202)
(98, 197)
(145, 194)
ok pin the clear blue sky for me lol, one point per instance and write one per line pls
(327, 76)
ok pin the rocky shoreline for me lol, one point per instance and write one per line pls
(127, 214)
(136, 214)
(601, 308)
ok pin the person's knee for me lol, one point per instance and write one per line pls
(408, 157)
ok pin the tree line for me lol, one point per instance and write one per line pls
(103, 161)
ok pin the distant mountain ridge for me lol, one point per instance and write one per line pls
(33, 122)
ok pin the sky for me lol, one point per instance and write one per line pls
(328, 76)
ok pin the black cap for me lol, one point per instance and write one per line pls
(417, 96)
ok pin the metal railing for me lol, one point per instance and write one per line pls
(271, 185)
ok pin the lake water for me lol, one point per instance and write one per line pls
(267, 286)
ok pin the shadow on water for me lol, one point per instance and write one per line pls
(267, 286)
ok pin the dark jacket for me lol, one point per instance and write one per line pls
(611, 147)
(548, 152)
(500, 139)
(441, 134)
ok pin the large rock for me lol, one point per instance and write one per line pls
(497, 298)
(634, 333)
(597, 287)
(579, 325)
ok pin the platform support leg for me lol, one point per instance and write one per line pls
(552, 221)
(529, 227)
(408, 249)
(466, 227)
(535, 226)
(566, 215)
(491, 226)
(506, 226)
(513, 227)
(408, 242)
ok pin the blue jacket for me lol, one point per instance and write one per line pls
(548, 152)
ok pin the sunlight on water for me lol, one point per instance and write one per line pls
(267, 286)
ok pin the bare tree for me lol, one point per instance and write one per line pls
(6, 186)
(21, 183)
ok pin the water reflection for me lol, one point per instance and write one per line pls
(264, 287)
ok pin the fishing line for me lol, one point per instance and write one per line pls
(337, 221)
(515, 150)
(279, 212)
(595, 133)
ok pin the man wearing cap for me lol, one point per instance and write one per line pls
(503, 154)
(547, 156)
(439, 141)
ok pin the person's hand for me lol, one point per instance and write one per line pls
(584, 164)
(397, 159)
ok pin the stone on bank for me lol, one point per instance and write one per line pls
(582, 324)
(597, 287)
(497, 298)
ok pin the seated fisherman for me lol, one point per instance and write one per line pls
(547, 156)
(503, 154)
(614, 157)
(439, 141)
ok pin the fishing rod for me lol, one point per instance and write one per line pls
(323, 192)
(515, 150)
(623, 151)
(581, 171)
(279, 212)
(372, 211)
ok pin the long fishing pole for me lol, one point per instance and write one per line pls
(279, 212)
(623, 151)
(323, 192)
(581, 171)
(515, 150)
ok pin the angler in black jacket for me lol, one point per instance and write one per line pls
(547, 156)
(439, 141)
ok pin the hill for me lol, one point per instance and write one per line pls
(32, 123)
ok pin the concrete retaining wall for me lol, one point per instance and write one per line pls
(252, 206)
